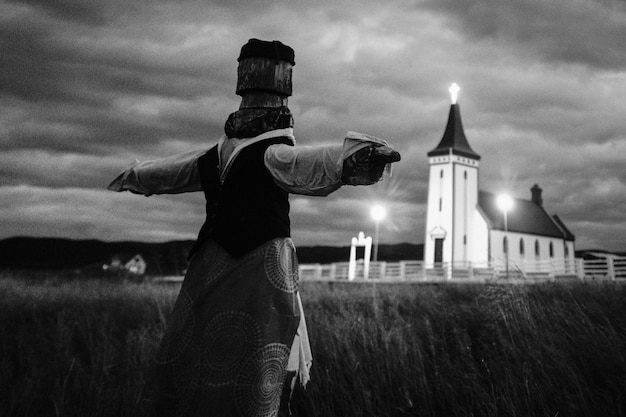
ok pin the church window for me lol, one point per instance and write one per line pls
(536, 248)
(465, 175)
(505, 245)
(551, 250)
(521, 246)
(441, 174)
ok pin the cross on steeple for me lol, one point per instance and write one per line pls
(454, 92)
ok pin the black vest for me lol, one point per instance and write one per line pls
(248, 209)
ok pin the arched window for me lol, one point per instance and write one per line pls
(441, 174)
(521, 246)
(551, 250)
(537, 248)
(465, 175)
(505, 245)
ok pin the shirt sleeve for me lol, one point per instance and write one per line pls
(314, 170)
(171, 175)
(307, 170)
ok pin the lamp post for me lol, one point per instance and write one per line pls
(378, 213)
(505, 203)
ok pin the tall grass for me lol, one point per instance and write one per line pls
(83, 348)
(535, 350)
(77, 348)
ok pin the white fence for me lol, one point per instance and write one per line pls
(610, 268)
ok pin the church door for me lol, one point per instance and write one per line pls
(438, 250)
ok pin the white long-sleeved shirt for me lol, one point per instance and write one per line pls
(308, 170)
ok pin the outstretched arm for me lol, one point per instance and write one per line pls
(365, 158)
(171, 175)
(320, 170)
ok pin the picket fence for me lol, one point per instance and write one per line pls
(609, 268)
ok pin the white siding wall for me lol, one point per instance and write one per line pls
(439, 188)
(530, 260)
(453, 180)
(480, 239)
(465, 202)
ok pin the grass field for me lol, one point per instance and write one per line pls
(83, 348)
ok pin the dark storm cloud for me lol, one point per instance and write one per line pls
(589, 32)
(29, 68)
(85, 11)
(80, 212)
(96, 130)
(85, 79)
(55, 169)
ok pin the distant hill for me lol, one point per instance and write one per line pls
(596, 253)
(168, 258)
(52, 253)
(329, 254)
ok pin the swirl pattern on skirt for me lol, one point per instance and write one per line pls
(179, 329)
(228, 340)
(208, 265)
(259, 385)
(281, 265)
(186, 378)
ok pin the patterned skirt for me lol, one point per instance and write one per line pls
(236, 328)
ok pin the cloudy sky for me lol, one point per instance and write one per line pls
(87, 86)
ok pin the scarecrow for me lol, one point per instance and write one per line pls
(236, 340)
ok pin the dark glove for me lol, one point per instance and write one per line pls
(366, 166)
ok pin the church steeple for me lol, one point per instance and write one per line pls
(452, 196)
(454, 140)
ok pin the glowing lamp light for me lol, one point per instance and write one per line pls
(454, 92)
(378, 213)
(504, 202)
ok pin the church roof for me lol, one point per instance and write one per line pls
(454, 139)
(525, 217)
(568, 235)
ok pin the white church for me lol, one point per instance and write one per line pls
(466, 227)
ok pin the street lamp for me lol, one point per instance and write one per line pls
(378, 213)
(505, 203)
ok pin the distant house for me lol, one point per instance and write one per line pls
(136, 265)
(464, 225)
(116, 263)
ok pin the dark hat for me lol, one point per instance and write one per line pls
(256, 48)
